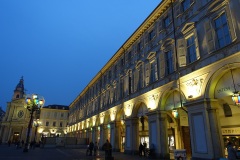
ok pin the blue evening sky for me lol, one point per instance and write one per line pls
(58, 46)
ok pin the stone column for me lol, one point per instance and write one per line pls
(206, 138)
(102, 137)
(9, 133)
(94, 134)
(105, 133)
(131, 136)
(5, 134)
(97, 131)
(158, 138)
(115, 135)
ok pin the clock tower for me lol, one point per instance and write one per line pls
(15, 121)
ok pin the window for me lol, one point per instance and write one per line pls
(47, 123)
(166, 22)
(62, 114)
(191, 49)
(169, 62)
(60, 124)
(109, 74)
(129, 57)
(222, 30)
(152, 73)
(186, 4)
(139, 46)
(130, 83)
(55, 115)
(151, 35)
(122, 62)
(54, 124)
(121, 88)
(115, 71)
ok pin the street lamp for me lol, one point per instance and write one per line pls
(32, 103)
(36, 124)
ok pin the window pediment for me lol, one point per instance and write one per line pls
(216, 5)
(151, 55)
(139, 63)
(188, 27)
(167, 45)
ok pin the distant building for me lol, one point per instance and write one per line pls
(53, 121)
(49, 121)
(15, 121)
(2, 113)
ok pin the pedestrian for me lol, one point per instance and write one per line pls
(140, 149)
(22, 143)
(87, 152)
(91, 146)
(95, 149)
(144, 148)
(9, 143)
(108, 149)
(231, 151)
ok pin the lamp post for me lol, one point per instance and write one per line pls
(36, 124)
(32, 103)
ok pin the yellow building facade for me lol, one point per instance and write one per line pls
(49, 121)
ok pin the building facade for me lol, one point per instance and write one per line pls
(170, 84)
(49, 121)
(53, 121)
(15, 122)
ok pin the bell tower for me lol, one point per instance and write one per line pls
(19, 90)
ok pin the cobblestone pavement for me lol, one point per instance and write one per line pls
(12, 153)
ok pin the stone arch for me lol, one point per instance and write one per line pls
(107, 118)
(97, 123)
(219, 89)
(216, 76)
(119, 115)
(174, 94)
(137, 106)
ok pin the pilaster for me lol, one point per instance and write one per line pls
(205, 129)
(157, 121)
(131, 135)
(115, 135)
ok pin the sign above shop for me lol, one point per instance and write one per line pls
(231, 131)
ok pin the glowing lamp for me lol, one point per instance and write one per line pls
(175, 113)
(236, 98)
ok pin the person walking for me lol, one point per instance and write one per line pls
(91, 146)
(108, 150)
(22, 142)
(9, 143)
(231, 151)
(144, 148)
(140, 149)
(95, 149)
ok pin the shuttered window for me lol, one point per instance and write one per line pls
(191, 49)
(169, 62)
(222, 30)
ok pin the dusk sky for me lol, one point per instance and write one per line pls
(58, 46)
